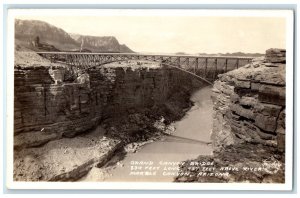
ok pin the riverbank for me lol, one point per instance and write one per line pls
(158, 160)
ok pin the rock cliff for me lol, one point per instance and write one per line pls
(48, 107)
(249, 103)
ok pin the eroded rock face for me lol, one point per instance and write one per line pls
(47, 107)
(249, 103)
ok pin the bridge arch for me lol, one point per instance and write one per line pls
(205, 68)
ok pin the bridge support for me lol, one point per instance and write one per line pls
(190, 64)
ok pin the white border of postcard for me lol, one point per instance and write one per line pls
(287, 14)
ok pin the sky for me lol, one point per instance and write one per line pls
(172, 34)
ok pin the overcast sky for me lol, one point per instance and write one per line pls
(171, 34)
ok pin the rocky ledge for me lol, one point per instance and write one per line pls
(65, 159)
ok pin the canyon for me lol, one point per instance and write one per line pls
(66, 122)
(54, 109)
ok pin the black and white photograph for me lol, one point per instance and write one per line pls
(150, 97)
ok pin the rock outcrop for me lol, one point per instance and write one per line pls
(249, 103)
(64, 159)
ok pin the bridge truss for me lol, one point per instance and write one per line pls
(206, 68)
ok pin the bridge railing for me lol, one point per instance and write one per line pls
(205, 67)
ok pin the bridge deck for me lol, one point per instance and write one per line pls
(206, 68)
(141, 54)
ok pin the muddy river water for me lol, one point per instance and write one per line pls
(158, 161)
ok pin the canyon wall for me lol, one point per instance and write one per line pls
(47, 107)
(249, 103)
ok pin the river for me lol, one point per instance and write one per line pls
(158, 161)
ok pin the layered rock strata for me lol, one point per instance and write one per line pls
(47, 107)
(249, 103)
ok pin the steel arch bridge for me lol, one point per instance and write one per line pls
(206, 68)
